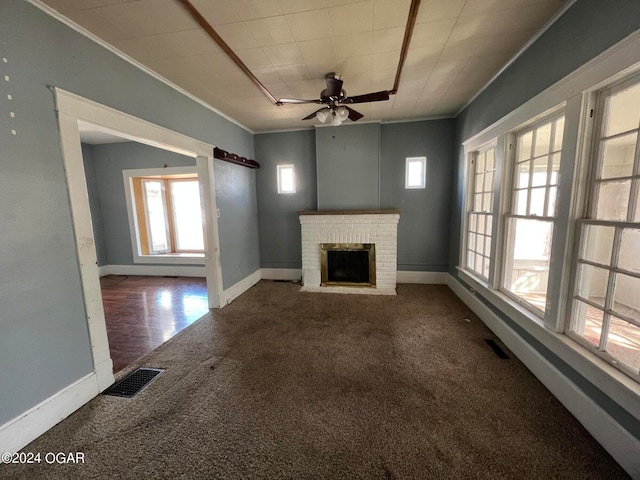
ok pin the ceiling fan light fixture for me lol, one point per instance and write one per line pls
(342, 113)
(322, 115)
(335, 120)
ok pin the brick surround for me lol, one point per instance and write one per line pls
(379, 228)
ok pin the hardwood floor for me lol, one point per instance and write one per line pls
(144, 312)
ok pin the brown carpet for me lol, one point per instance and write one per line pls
(283, 384)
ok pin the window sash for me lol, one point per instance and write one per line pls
(478, 261)
(625, 219)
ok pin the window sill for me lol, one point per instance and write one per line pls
(171, 259)
(611, 381)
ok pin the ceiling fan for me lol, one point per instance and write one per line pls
(336, 100)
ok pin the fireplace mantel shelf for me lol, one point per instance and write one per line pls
(391, 211)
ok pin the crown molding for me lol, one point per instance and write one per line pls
(74, 26)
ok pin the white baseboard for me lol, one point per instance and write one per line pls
(622, 446)
(153, 270)
(25, 428)
(231, 293)
(103, 270)
(429, 278)
(292, 274)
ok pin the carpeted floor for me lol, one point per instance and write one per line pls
(283, 384)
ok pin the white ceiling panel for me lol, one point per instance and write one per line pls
(289, 45)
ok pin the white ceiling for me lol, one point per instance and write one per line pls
(457, 46)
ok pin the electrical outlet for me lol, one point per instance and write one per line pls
(472, 291)
(218, 212)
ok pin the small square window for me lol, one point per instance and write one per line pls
(416, 172)
(286, 179)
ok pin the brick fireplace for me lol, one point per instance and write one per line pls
(350, 230)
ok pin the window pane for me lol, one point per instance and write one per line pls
(415, 174)
(486, 202)
(477, 202)
(472, 242)
(540, 167)
(478, 264)
(587, 322)
(623, 343)
(630, 250)
(624, 111)
(551, 207)
(487, 246)
(473, 218)
(617, 156)
(626, 299)
(479, 182)
(480, 224)
(488, 182)
(543, 139)
(597, 244)
(490, 158)
(286, 183)
(187, 215)
(528, 263)
(555, 168)
(592, 283)
(521, 202)
(156, 216)
(537, 201)
(524, 146)
(480, 162)
(613, 200)
(557, 143)
(522, 175)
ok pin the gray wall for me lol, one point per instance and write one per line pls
(348, 166)
(424, 213)
(585, 30)
(423, 231)
(109, 160)
(94, 204)
(238, 223)
(44, 345)
(280, 245)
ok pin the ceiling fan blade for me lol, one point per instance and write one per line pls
(312, 115)
(369, 97)
(353, 115)
(334, 87)
(298, 101)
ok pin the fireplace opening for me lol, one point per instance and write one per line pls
(348, 264)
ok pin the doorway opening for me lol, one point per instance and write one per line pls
(77, 114)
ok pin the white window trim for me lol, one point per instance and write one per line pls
(423, 180)
(617, 62)
(164, 258)
(279, 169)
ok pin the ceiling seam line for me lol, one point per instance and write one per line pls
(197, 16)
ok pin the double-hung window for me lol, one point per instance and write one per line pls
(530, 221)
(606, 299)
(480, 213)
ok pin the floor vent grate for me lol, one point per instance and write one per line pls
(133, 383)
(497, 350)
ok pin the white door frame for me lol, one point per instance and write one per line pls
(73, 108)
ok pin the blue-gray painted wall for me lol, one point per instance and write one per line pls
(424, 213)
(44, 340)
(348, 166)
(109, 161)
(423, 240)
(588, 28)
(280, 241)
(94, 204)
